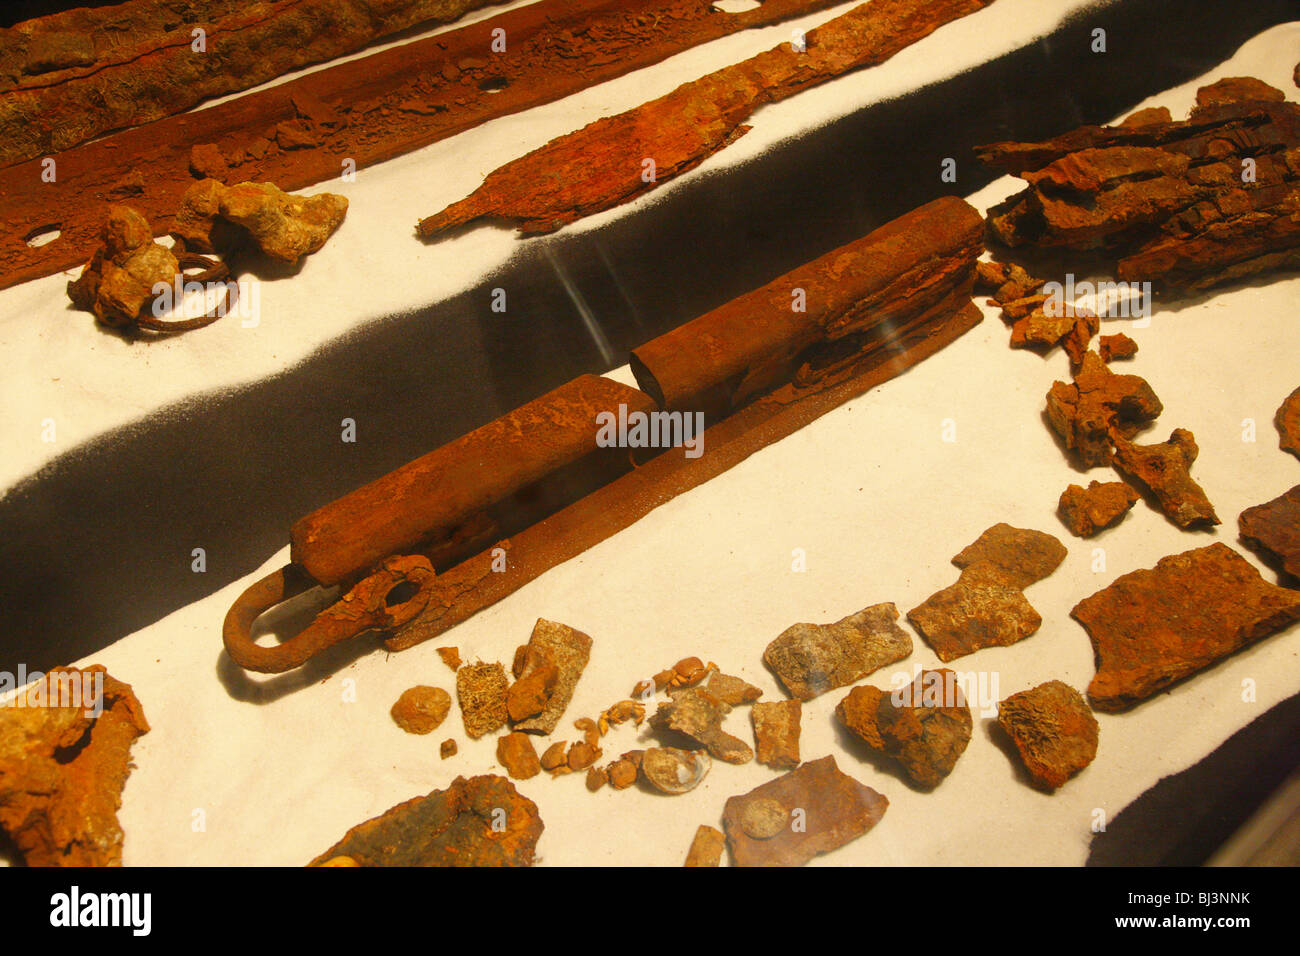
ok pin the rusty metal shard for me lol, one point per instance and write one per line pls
(605, 163)
(1274, 528)
(368, 110)
(477, 821)
(1288, 423)
(809, 811)
(565, 648)
(810, 659)
(1151, 628)
(1053, 730)
(62, 768)
(1165, 468)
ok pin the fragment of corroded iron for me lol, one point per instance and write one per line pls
(1053, 730)
(672, 770)
(811, 810)
(567, 650)
(925, 726)
(697, 714)
(528, 696)
(284, 227)
(421, 709)
(1086, 511)
(1117, 346)
(986, 607)
(1098, 403)
(810, 659)
(603, 164)
(481, 693)
(1165, 469)
(450, 656)
(63, 766)
(1288, 423)
(1274, 528)
(477, 821)
(706, 849)
(1151, 628)
(732, 690)
(137, 61)
(1188, 204)
(776, 733)
(516, 753)
(447, 748)
(368, 110)
(119, 280)
(1005, 281)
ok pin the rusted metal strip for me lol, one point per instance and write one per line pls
(71, 76)
(364, 111)
(607, 163)
(921, 271)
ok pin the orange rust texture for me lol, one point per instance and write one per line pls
(370, 109)
(1053, 730)
(601, 165)
(62, 772)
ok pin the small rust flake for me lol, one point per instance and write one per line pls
(568, 650)
(421, 709)
(925, 726)
(1053, 730)
(810, 659)
(1288, 423)
(1153, 627)
(1086, 511)
(987, 606)
(1165, 469)
(515, 752)
(477, 821)
(776, 733)
(706, 848)
(62, 768)
(1274, 527)
(698, 714)
(818, 809)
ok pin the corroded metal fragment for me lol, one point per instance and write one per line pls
(733, 691)
(481, 691)
(1053, 730)
(1117, 346)
(776, 733)
(1087, 511)
(925, 725)
(1165, 469)
(477, 821)
(1190, 204)
(1288, 423)
(118, 281)
(62, 767)
(1274, 528)
(696, 713)
(1088, 411)
(515, 752)
(566, 649)
(284, 227)
(1151, 628)
(706, 849)
(421, 709)
(604, 164)
(810, 659)
(816, 808)
(986, 607)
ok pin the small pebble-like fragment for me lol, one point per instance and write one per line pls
(515, 752)
(1117, 346)
(674, 771)
(1274, 528)
(776, 733)
(527, 696)
(421, 709)
(582, 755)
(1086, 511)
(1165, 469)
(596, 778)
(481, 691)
(810, 659)
(556, 755)
(706, 848)
(698, 714)
(622, 773)
(1287, 421)
(285, 227)
(448, 748)
(818, 807)
(568, 650)
(450, 656)
(925, 726)
(1053, 730)
(732, 690)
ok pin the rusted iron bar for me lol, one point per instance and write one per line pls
(365, 111)
(616, 159)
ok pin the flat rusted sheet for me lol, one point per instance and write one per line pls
(603, 164)
(62, 768)
(71, 76)
(370, 109)
(799, 815)
(810, 659)
(1288, 423)
(1168, 201)
(1151, 628)
(477, 821)
(1274, 528)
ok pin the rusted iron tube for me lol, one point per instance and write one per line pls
(741, 349)
(433, 495)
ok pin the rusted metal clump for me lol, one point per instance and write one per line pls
(435, 541)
